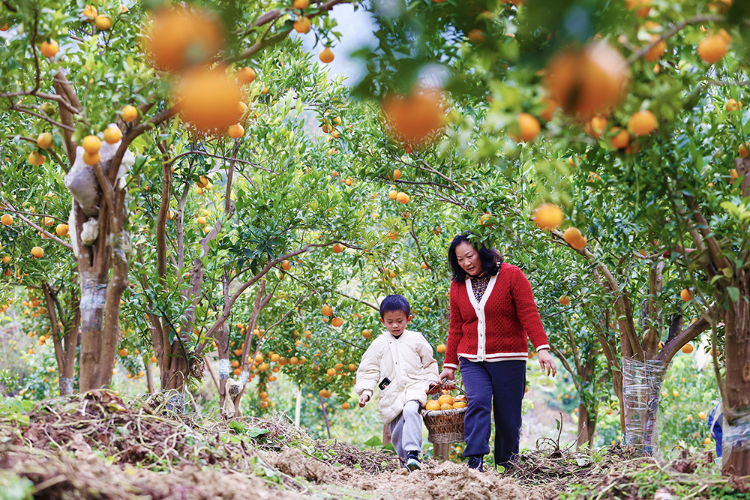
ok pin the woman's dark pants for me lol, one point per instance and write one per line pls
(502, 383)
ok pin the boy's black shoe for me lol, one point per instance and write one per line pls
(412, 460)
(476, 462)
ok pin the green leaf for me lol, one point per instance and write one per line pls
(255, 432)
(374, 441)
(734, 293)
(237, 427)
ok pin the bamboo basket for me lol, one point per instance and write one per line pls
(445, 426)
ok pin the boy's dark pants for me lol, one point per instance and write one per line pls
(502, 383)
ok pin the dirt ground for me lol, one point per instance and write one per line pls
(97, 446)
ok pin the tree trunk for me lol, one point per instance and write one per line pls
(736, 432)
(641, 392)
(586, 426)
(65, 343)
(150, 378)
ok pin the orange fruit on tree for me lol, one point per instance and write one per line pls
(37, 252)
(587, 81)
(432, 405)
(91, 159)
(49, 48)
(286, 266)
(36, 158)
(574, 238)
(89, 11)
(732, 105)
(337, 322)
(596, 126)
(352, 367)
(564, 300)
(345, 406)
(687, 348)
(326, 55)
(528, 128)
(331, 372)
(338, 248)
(123, 352)
(393, 194)
(327, 310)
(236, 131)
(396, 174)
(154, 359)
(733, 175)
(62, 229)
(702, 415)
(402, 198)
(620, 138)
(129, 113)
(548, 216)
(301, 4)
(743, 151)
(476, 36)
(208, 100)
(103, 22)
(112, 134)
(367, 333)
(686, 295)
(641, 7)
(441, 348)
(91, 144)
(550, 109)
(258, 358)
(655, 52)
(235, 364)
(712, 48)
(302, 25)
(642, 123)
(44, 140)
(414, 118)
(175, 38)
(246, 75)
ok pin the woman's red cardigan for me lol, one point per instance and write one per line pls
(496, 328)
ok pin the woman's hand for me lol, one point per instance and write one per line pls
(547, 363)
(363, 399)
(448, 373)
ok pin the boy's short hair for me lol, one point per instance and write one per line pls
(395, 303)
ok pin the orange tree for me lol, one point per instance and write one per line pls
(632, 83)
(72, 71)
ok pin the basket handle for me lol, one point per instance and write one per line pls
(444, 383)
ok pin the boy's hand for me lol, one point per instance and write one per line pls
(434, 388)
(363, 399)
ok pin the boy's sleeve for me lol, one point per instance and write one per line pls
(455, 331)
(429, 364)
(368, 373)
(527, 310)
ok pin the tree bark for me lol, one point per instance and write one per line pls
(737, 385)
(586, 426)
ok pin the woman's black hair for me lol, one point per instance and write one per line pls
(489, 257)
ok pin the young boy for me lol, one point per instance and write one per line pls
(401, 364)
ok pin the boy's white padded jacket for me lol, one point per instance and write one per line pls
(409, 364)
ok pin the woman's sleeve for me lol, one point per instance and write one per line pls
(455, 331)
(368, 374)
(527, 312)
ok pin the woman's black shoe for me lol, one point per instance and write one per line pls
(476, 462)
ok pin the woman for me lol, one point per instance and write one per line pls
(492, 312)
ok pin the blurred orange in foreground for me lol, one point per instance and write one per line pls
(588, 81)
(414, 118)
(179, 37)
(208, 100)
